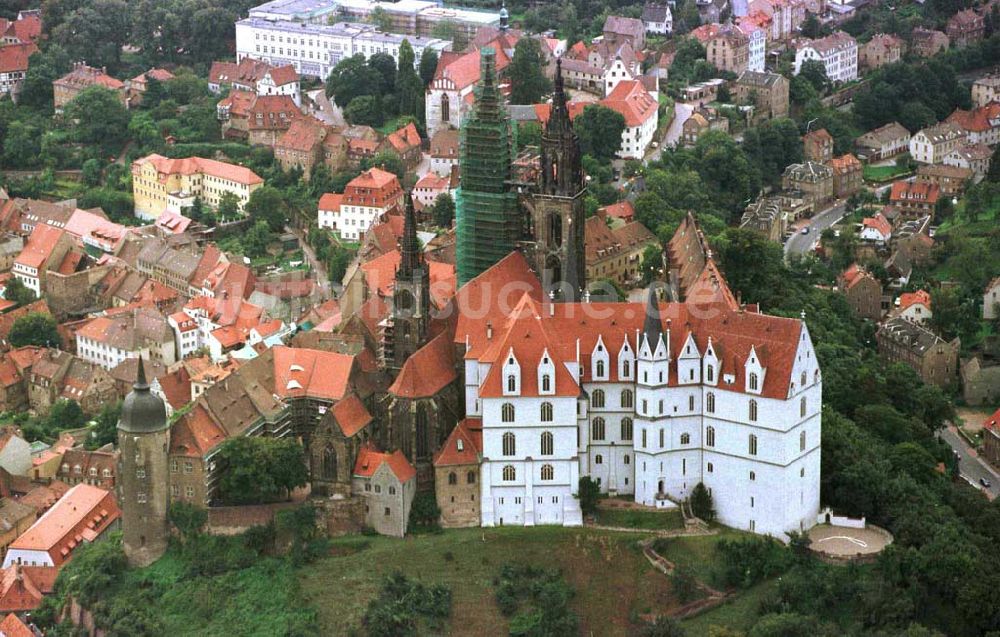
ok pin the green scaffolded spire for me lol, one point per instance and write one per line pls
(488, 223)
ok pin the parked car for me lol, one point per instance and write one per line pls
(984, 482)
(805, 230)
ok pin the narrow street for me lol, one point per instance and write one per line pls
(970, 465)
(319, 269)
(800, 243)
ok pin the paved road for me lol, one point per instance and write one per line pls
(800, 243)
(327, 111)
(970, 465)
(670, 138)
(319, 270)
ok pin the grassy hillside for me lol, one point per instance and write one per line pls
(613, 581)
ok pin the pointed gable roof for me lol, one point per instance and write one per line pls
(370, 459)
(428, 370)
(464, 445)
(351, 414)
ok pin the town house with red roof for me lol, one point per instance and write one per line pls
(914, 306)
(84, 515)
(366, 199)
(449, 94)
(456, 475)
(67, 87)
(13, 67)
(46, 249)
(405, 144)
(387, 483)
(862, 291)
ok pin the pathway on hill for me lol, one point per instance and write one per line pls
(970, 465)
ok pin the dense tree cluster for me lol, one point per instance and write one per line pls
(372, 91)
(254, 470)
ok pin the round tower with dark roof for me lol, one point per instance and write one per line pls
(143, 478)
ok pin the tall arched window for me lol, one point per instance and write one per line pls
(597, 398)
(598, 459)
(710, 373)
(423, 432)
(752, 445)
(710, 403)
(330, 463)
(628, 399)
(470, 477)
(548, 473)
(685, 439)
(753, 381)
(626, 429)
(546, 383)
(600, 369)
(597, 429)
(803, 383)
(548, 443)
(753, 411)
(626, 369)
(509, 444)
(691, 402)
(511, 383)
(802, 407)
(452, 478)
(509, 473)
(445, 108)
(546, 412)
(710, 436)
(802, 441)
(507, 412)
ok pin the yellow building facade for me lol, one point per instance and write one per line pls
(161, 184)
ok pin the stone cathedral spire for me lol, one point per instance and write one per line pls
(411, 302)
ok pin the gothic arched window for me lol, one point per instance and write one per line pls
(548, 443)
(330, 463)
(507, 412)
(546, 412)
(509, 444)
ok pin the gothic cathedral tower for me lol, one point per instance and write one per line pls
(557, 215)
(143, 440)
(410, 295)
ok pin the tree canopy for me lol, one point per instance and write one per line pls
(254, 470)
(600, 131)
(35, 328)
(526, 73)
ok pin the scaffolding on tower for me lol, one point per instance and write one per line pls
(487, 219)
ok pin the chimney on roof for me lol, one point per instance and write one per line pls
(489, 330)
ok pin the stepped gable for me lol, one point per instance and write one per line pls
(428, 371)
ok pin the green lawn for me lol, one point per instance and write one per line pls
(611, 577)
(640, 519)
(884, 173)
(738, 613)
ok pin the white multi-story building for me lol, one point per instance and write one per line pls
(932, 144)
(633, 101)
(314, 49)
(838, 52)
(648, 401)
(366, 199)
(757, 45)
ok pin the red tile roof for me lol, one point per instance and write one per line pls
(976, 120)
(370, 459)
(463, 70)
(621, 210)
(913, 298)
(878, 223)
(300, 372)
(330, 201)
(405, 138)
(196, 433)
(428, 371)
(921, 191)
(632, 100)
(380, 275)
(284, 75)
(84, 512)
(11, 626)
(195, 165)
(374, 188)
(14, 57)
(40, 245)
(464, 445)
(351, 415)
(22, 587)
(993, 422)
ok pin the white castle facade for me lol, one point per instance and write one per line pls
(647, 408)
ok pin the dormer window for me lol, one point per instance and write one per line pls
(511, 383)
(753, 382)
(710, 374)
(546, 383)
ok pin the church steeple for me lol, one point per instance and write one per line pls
(504, 17)
(562, 165)
(409, 248)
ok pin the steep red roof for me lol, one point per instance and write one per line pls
(380, 275)
(196, 433)
(878, 223)
(621, 210)
(405, 138)
(284, 75)
(920, 297)
(977, 120)
(330, 201)
(40, 245)
(85, 511)
(464, 445)
(430, 369)
(22, 587)
(631, 99)
(14, 57)
(921, 191)
(302, 372)
(351, 415)
(11, 626)
(993, 422)
(370, 459)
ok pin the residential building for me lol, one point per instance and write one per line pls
(456, 475)
(838, 53)
(927, 43)
(876, 229)
(883, 142)
(756, 44)
(862, 291)
(930, 145)
(46, 249)
(623, 210)
(15, 453)
(619, 30)
(975, 157)
(22, 588)
(444, 150)
(85, 514)
(917, 198)
(13, 67)
(991, 300)
(913, 306)
(387, 483)
(269, 117)
(640, 110)
(328, 212)
(450, 92)
(160, 184)
(365, 200)
(766, 216)
(847, 175)
(882, 49)
(700, 122)
(813, 179)
(950, 179)
(985, 90)
(405, 144)
(106, 341)
(82, 77)
(934, 359)
(817, 146)
(981, 386)
(51, 375)
(727, 48)
(15, 519)
(981, 125)
(136, 88)
(427, 189)
(309, 142)
(657, 18)
(313, 49)
(96, 468)
(767, 92)
(615, 254)
(965, 27)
